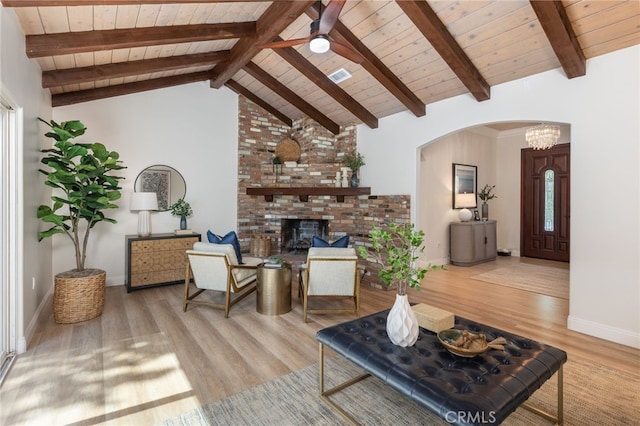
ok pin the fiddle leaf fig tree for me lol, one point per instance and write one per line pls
(397, 249)
(81, 175)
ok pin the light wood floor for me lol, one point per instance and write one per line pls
(145, 360)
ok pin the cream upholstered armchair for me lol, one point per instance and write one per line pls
(330, 272)
(215, 267)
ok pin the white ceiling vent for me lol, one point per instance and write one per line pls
(339, 76)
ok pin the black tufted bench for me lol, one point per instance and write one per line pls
(480, 390)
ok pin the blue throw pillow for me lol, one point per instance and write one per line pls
(230, 238)
(342, 242)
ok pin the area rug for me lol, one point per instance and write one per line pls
(533, 278)
(593, 395)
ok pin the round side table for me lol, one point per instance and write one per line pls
(273, 289)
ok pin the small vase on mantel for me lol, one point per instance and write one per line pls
(402, 324)
(355, 182)
(183, 222)
(485, 211)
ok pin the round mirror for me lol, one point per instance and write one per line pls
(165, 181)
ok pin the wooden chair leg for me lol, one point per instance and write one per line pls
(227, 300)
(186, 286)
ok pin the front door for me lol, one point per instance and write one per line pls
(545, 203)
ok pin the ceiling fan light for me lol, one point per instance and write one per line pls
(319, 44)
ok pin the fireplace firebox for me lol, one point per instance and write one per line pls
(297, 233)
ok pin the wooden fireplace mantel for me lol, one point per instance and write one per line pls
(303, 192)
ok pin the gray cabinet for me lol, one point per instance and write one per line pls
(472, 242)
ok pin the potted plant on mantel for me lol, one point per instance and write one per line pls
(353, 160)
(84, 185)
(397, 250)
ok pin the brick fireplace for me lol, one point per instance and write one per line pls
(320, 159)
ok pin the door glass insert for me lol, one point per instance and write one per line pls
(549, 185)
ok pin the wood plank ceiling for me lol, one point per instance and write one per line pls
(414, 52)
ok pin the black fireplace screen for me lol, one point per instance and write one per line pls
(297, 233)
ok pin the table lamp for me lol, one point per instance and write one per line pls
(465, 200)
(143, 202)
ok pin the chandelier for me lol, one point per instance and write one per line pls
(543, 136)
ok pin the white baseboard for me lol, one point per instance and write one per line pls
(35, 319)
(114, 281)
(441, 261)
(612, 334)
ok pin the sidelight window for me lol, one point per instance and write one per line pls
(549, 198)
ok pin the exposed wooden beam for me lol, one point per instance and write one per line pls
(126, 89)
(299, 62)
(273, 21)
(125, 69)
(426, 20)
(45, 3)
(375, 67)
(556, 25)
(90, 41)
(241, 90)
(288, 95)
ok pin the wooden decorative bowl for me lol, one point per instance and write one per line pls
(451, 339)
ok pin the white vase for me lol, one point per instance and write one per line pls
(402, 324)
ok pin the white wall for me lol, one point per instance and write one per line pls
(603, 111)
(20, 82)
(191, 128)
(435, 211)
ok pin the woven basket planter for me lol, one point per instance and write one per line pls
(260, 246)
(77, 299)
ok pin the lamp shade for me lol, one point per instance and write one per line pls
(465, 200)
(141, 201)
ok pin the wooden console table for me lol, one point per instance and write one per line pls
(156, 260)
(303, 192)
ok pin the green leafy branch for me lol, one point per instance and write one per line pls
(397, 250)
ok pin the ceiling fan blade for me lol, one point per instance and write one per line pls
(329, 16)
(284, 43)
(346, 52)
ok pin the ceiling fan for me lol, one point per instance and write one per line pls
(319, 40)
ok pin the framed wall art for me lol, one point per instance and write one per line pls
(465, 186)
(158, 181)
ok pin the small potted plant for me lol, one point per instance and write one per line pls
(81, 175)
(397, 249)
(485, 195)
(353, 160)
(182, 209)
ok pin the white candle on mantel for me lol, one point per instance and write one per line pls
(337, 183)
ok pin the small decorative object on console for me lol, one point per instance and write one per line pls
(486, 195)
(183, 209)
